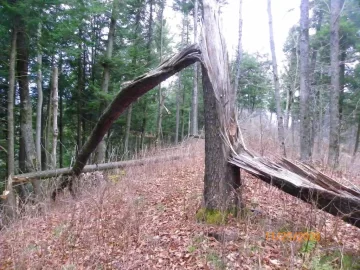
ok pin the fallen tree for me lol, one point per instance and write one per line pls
(305, 183)
(26, 177)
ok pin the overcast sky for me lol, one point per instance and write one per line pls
(255, 38)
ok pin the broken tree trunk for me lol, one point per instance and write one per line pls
(222, 180)
(305, 183)
(125, 97)
(26, 177)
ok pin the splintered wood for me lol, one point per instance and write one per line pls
(305, 183)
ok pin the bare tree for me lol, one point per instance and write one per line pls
(280, 120)
(334, 136)
(240, 50)
(305, 95)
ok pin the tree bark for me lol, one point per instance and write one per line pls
(334, 140)
(101, 150)
(222, 180)
(55, 102)
(40, 97)
(240, 50)
(281, 134)
(194, 97)
(305, 95)
(31, 163)
(10, 202)
(23, 178)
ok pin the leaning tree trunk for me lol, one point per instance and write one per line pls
(334, 140)
(124, 99)
(101, 150)
(280, 120)
(221, 129)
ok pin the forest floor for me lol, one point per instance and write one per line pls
(145, 218)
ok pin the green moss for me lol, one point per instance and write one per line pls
(214, 217)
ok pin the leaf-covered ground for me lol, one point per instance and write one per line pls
(145, 218)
